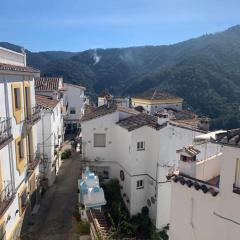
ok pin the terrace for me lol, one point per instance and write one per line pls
(34, 159)
(6, 196)
(34, 115)
(5, 131)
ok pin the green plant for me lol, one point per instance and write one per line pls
(66, 154)
(83, 228)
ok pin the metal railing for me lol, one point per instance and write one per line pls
(5, 129)
(34, 115)
(34, 159)
(6, 196)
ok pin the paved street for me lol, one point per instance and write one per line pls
(54, 220)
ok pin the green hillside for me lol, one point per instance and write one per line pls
(204, 71)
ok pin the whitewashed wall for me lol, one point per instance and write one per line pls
(195, 215)
(75, 97)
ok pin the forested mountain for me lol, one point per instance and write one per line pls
(204, 71)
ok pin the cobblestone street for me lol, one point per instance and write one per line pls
(54, 220)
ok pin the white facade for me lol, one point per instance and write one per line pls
(199, 214)
(19, 164)
(120, 101)
(154, 106)
(50, 138)
(144, 182)
(74, 99)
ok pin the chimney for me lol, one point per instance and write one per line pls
(55, 95)
(163, 118)
(204, 124)
(188, 159)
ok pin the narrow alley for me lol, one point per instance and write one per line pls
(54, 220)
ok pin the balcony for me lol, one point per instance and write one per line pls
(33, 161)
(5, 131)
(34, 116)
(6, 196)
(236, 189)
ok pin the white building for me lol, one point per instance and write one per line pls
(140, 151)
(50, 136)
(205, 193)
(19, 160)
(105, 96)
(156, 100)
(74, 100)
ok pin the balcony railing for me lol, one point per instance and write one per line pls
(34, 116)
(236, 189)
(5, 130)
(6, 196)
(33, 161)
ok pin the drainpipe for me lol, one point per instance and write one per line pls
(10, 149)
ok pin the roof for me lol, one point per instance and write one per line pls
(14, 68)
(74, 85)
(133, 122)
(140, 108)
(157, 94)
(105, 94)
(189, 150)
(89, 108)
(208, 136)
(47, 83)
(206, 187)
(106, 109)
(46, 102)
(183, 118)
(230, 137)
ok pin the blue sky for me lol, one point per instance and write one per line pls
(77, 25)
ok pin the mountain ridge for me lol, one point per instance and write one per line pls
(205, 71)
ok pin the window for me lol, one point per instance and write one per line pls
(187, 159)
(72, 110)
(140, 146)
(99, 140)
(17, 98)
(20, 149)
(236, 185)
(140, 184)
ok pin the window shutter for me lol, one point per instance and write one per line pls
(99, 140)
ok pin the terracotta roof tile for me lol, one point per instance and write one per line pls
(231, 137)
(14, 68)
(47, 83)
(133, 122)
(157, 94)
(46, 102)
(104, 110)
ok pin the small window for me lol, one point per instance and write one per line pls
(20, 149)
(72, 110)
(17, 98)
(99, 140)
(237, 174)
(140, 184)
(140, 146)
